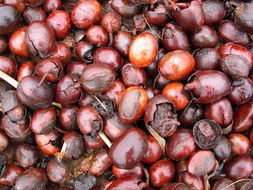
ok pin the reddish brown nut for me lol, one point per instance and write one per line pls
(48, 143)
(191, 17)
(154, 151)
(108, 56)
(133, 76)
(60, 22)
(67, 90)
(137, 170)
(223, 183)
(34, 14)
(114, 127)
(114, 92)
(10, 101)
(235, 66)
(205, 37)
(229, 32)
(203, 85)
(97, 77)
(111, 22)
(4, 141)
(40, 39)
(239, 167)
(52, 5)
(232, 48)
(9, 66)
(93, 143)
(201, 162)
(15, 124)
(32, 178)
(130, 182)
(161, 172)
(243, 18)
(43, 120)
(191, 114)
(97, 35)
(10, 18)
(125, 7)
(157, 16)
(86, 13)
(174, 38)
(122, 41)
(50, 69)
(17, 43)
(74, 145)
(143, 50)
(10, 175)
(240, 144)
(67, 117)
(62, 52)
(207, 59)
(160, 114)
(193, 181)
(26, 155)
(76, 68)
(242, 91)
(214, 11)
(243, 117)
(181, 145)
(176, 65)
(176, 94)
(20, 5)
(57, 172)
(220, 111)
(101, 163)
(223, 149)
(25, 69)
(84, 51)
(89, 121)
(133, 140)
(132, 104)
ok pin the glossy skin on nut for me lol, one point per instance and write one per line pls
(129, 149)
(17, 43)
(239, 167)
(33, 96)
(40, 39)
(181, 145)
(190, 18)
(9, 66)
(132, 104)
(175, 93)
(201, 162)
(86, 13)
(97, 77)
(161, 172)
(25, 69)
(60, 22)
(176, 65)
(209, 86)
(240, 144)
(9, 19)
(154, 151)
(243, 117)
(143, 50)
(232, 48)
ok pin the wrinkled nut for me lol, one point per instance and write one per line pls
(207, 134)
